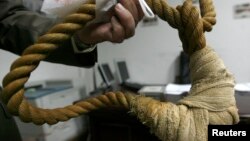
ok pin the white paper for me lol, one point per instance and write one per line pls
(244, 87)
(146, 10)
(62, 8)
(177, 89)
(102, 7)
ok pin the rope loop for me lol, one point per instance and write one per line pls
(210, 101)
(185, 18)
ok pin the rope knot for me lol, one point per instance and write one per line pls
(190, 22)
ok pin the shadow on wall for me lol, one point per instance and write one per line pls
(173, 71)
(184, 73)
(179, 70)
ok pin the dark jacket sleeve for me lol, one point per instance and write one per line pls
(19, 28)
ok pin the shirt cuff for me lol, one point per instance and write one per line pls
(80, 47)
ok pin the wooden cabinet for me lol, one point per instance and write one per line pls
(117, 125)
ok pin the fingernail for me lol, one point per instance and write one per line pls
(119, 7)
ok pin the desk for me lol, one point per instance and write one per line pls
(117, 125)
(114, 124)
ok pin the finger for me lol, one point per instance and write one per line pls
(126, 19)
(118, 32)
(131, 7)
(134, 7)
(96, 33)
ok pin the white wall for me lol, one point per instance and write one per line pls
(152, 53)
(230, 38)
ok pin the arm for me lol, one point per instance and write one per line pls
(16, 21)
(20, 27)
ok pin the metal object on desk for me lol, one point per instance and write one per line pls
(156, 92)
(162, 93)
(174, 97)
(175, 92)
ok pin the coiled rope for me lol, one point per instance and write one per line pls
(211, 99)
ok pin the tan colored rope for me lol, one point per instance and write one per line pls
(191, 24)
(210, 101)
(187, 20)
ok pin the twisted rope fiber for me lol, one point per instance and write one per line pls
(186, 19)
(162, 118)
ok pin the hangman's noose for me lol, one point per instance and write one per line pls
(184, 18)
(190, 22)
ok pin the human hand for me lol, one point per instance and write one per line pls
(124, 18)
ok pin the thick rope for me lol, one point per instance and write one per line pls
(187, 19)
(210, 101)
